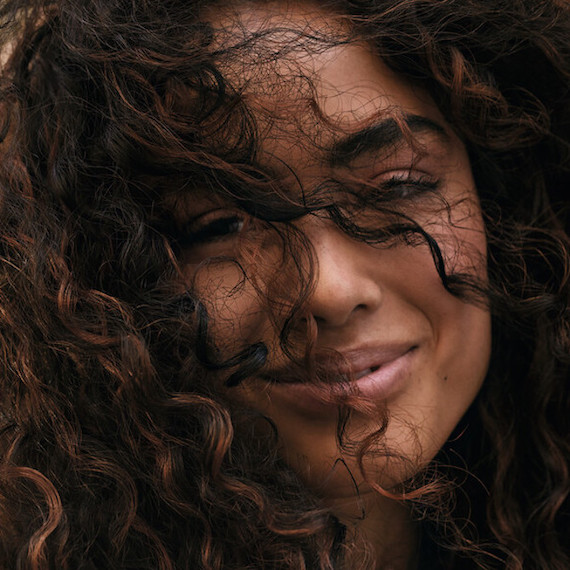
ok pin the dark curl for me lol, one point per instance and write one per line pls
(118, 448)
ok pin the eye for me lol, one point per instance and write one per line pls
(212, 226)
(407, 185)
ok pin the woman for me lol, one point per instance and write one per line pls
(285, 285)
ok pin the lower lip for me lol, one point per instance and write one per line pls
(380, 385)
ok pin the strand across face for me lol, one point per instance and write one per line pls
(415, 353)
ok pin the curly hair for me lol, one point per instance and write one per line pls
(118, 450)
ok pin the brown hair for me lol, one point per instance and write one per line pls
(117, 449)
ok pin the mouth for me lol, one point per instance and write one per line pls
(376, 374)
(369, 362)
(362, 373)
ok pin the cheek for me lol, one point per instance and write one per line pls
(463, 355)
(237, 316)
(461, 322)
(465, 246)
(460, 326)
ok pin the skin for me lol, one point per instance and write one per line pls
(365, 296)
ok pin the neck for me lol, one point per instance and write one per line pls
(386, 526)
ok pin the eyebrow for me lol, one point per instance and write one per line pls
(380, 136)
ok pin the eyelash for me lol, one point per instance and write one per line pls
(405, 187)
(200, 231)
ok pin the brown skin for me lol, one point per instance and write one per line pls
(366, 298)
(116, 450)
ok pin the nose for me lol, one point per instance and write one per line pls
(345, 283)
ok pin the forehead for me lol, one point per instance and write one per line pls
(307, 77)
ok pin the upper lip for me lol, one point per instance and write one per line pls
(356, 362)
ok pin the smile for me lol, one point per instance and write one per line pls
(376, 374)
(365, 372)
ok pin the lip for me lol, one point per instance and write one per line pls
(379, 373)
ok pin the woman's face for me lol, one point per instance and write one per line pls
(416, 352)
